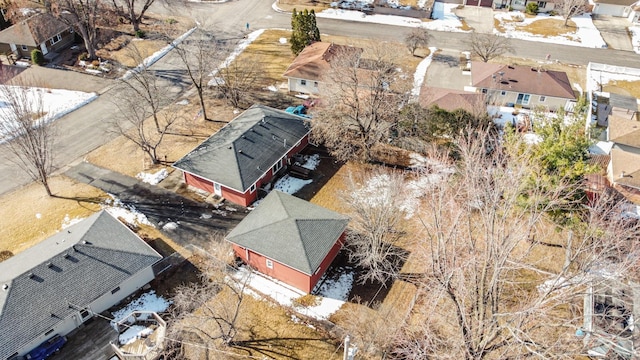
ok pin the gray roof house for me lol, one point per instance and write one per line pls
(40, 31)
(297, 238)
(58, 284)
(245, 153)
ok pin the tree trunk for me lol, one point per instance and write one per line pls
(201, 97)
(88, 43)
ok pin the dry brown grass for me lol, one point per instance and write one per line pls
(550, 28)
(135, 50)
(623, 87)
(268, 331)
(465, 26)
(272, 57)
(497, 24)
(300, 5)
(185, 135)
(576, 73)
(31, 216)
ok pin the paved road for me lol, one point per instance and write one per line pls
(197, 220)
(86, 128)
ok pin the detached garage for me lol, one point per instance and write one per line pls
(289, 239)
(618, 8)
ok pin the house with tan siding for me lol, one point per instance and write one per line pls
(42, 31)
(522, 86)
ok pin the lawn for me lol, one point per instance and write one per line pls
(549, 28)
(623, 87)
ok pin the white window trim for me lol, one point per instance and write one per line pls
(24, 47)
(503, 93)
(56, 39)
(276, 167)
(303, 82)
(269, 263)
(252, 189)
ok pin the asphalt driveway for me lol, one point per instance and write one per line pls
(196, 221)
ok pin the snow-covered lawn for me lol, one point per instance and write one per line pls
(587, 35)
(148, 301)
(635, 38)
(332, 294)
(54, 102)
(133, 333)
(599, 75)
(445, 19)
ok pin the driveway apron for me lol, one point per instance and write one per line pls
(196, 221)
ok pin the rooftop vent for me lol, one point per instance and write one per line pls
(31, 275)
(49, 265)
(67, 255)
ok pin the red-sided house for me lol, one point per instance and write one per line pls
(289, 239)
(245, 154)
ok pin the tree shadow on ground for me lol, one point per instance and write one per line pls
(278, 347)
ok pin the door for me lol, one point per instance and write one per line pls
(523, 99)
(44, 49)
(217, 189)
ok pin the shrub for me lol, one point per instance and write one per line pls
(510, 8)
(171, 21)
(307, 300)
(553, 13)
(532, 8)
(140, 34)
(83, 56)
(5, 254)
(95, 63)
(37, 57)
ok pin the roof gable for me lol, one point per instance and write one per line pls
(451, 100)
(33, 31)
(313, 61)
(248, 146)
(291, 231)
(70, 269)
(522, 79)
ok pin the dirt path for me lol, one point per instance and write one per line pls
(196, 221)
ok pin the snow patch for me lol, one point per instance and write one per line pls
(148, 301)
(128, 213)
(133, 333)
(421, 72)
(67, 222)
(154, 178)
(170, 226)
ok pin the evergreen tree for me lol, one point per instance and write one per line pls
(305, 30)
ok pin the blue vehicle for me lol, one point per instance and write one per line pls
(299, 110)
(47, 348)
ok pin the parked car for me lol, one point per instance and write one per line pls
(47, 348)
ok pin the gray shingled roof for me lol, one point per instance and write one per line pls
(75, 266)
(244, 149)
(33, 31)
(291, 231)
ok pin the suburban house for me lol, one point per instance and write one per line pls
(522, 86)
(451, 100)
(41, 31)
(521, 5)
(245, 154)
(307, 70)
(619, 8)
(57, 285)
(623, 132)
(289, 239)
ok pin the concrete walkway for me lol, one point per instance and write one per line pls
(196, 221)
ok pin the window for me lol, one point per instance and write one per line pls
(542, 98)
(115, 290)
(315, 84)
(503, 93)
(523, 99)
(303, 82)
(269, 264)
(484, 91)
(252, 188)
(55, 39)
(542, 4)
(276, 167)
(24, 48)
(48, 332)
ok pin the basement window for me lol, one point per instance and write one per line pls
(303, 82)
(543, 98)
(269, 264)
(115, 290)
(24, 48)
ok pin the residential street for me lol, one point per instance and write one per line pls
(87, 128)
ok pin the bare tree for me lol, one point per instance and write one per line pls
(488, 46)
(28, 138)
(361, 100)
(570, 8)
(140, 125)
(489, 254)
(129, 10)
(142, 84)
(81, 15)
(199, 54)
(377, 208)
(207, 312)
(234, 81)
(417, 37)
